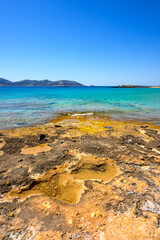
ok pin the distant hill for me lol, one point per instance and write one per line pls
(40, 83)
(4, 82)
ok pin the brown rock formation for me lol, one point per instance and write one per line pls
(91, 178)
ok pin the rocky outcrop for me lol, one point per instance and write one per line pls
(131, 86)
(135, 86)
(89, 178)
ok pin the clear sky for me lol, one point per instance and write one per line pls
(100, 42)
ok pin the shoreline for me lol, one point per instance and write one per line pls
(102, 114)
(80, 175)
(35, 106)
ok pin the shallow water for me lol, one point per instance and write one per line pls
(20, 106)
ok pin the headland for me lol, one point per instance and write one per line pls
(135, 86)
(39, 83)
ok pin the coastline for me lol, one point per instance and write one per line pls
(30, 106)
(102, 114)
(80, 175)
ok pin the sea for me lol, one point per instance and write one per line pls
(22, 106)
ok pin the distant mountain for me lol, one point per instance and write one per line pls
(4, 82)
(40, 83)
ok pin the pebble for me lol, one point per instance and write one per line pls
(108, 127)
(57, 213)
(93, 215)
(70, 221)
(8, 183)
(11, 214)
(96, 214)
(46, 204)
(20, 160)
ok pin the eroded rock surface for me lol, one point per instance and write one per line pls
(80, 177)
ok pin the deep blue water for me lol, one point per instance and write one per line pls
(29, 105)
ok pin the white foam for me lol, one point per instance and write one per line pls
(82, 114)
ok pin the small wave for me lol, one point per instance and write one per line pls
(82, 114)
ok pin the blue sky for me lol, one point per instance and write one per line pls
(100, 42)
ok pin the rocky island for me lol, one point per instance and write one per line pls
(80, 177)
(136, 86)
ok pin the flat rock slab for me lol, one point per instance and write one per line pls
(80, 177)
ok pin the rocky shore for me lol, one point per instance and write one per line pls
(80, 177)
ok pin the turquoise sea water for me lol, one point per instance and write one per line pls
(30, 105)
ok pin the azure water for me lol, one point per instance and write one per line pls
(30, 105)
